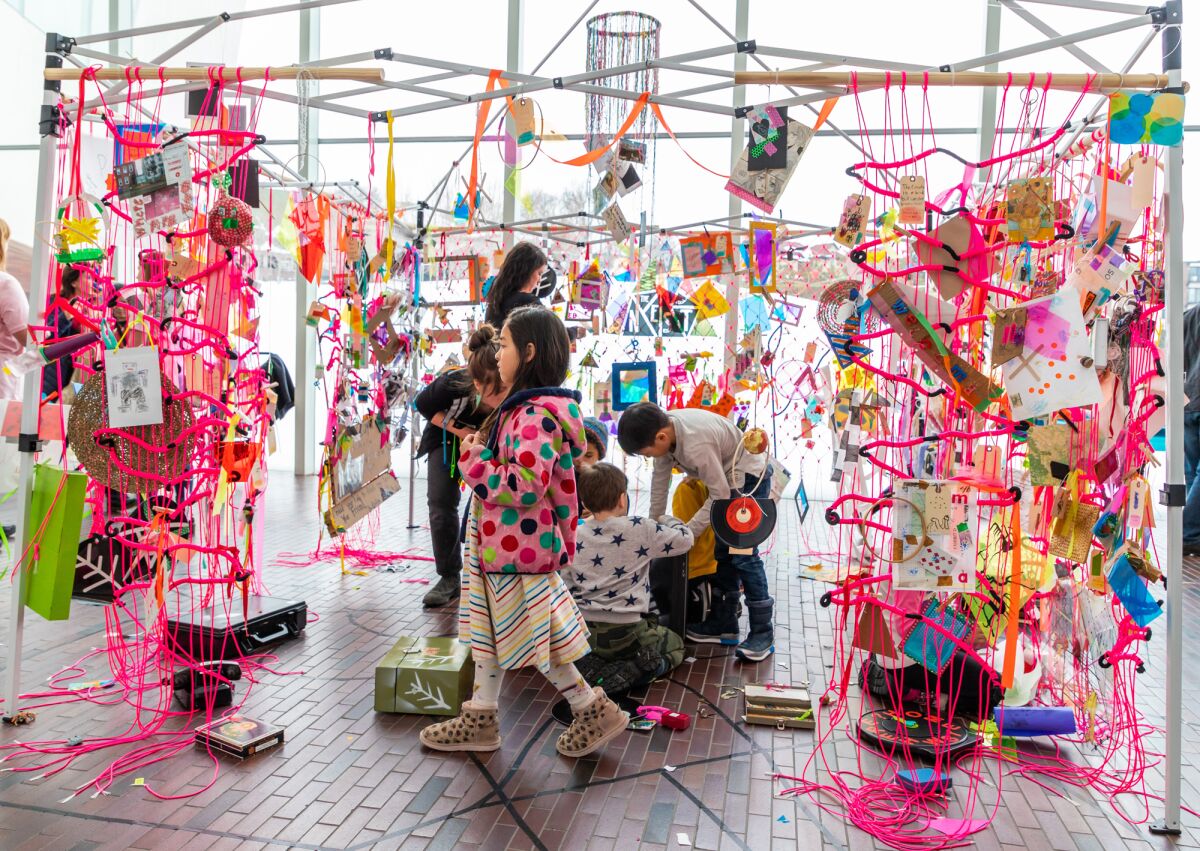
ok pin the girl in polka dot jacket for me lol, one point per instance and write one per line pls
(514, 609)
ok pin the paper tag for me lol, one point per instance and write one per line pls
(1030, 208)
(855, 212)
(523, 124)
(618, 226)
(1139, 493)
(912, 200)
(1143, 181)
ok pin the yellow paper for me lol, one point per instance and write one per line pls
(709, 301)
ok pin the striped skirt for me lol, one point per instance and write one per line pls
(520, 619)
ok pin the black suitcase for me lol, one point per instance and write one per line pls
(222, 632)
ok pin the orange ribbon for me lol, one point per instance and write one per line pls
(1014, 604)
(481, 117)
(658, 114)
(595, 154)
(826, 109)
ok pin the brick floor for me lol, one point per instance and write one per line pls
(349, 778)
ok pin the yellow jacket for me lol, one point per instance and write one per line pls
(689, 497)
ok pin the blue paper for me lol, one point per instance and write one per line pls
(929, 647)
(1132, 592)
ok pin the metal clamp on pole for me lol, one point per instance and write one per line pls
(1173, 496)
(29, 443)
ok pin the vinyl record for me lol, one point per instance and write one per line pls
(743, 522)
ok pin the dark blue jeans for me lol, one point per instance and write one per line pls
(1191, 473)
(746, 571)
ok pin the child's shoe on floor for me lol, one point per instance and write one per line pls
(477, 728)
(595, 725)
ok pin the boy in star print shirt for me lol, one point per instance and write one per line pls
(610, 579)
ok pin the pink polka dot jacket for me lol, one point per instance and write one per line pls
(523, 481)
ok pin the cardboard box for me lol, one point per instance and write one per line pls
(424, 676)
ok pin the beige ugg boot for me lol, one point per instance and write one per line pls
(477, 728)
(596, 724)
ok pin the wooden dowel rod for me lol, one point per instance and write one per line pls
(877, 79)
(150, 73)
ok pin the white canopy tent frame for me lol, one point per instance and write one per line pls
(1164, 21)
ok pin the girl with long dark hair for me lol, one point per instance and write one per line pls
(516, 610)
(515, 282)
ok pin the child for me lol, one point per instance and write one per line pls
(610, 581)
(596, 433)
(454, 405)
(709, 447)
(515, 609)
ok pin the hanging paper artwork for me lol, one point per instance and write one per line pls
(163, 209)
(1145, 117)
(707, 255)
(762, 249)
(602, 399)
(914, 329)
(959, 245)
(764, 188)
(856, 211)
(616, 223)
(634, 382)
(1046, 357)
(1099, 275)
(768, 137)
(589, 290)
(1030, 209)
(944, 558)
(133, 386)
(709, 301)
(912, 200)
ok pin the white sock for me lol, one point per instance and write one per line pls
(488, 676)
(571, 685)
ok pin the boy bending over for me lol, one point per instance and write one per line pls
(709, 447)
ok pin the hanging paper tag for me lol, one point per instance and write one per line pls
(855, 211)
(1143, 169)
(1139, 494)
(912, 200)
(523, 124)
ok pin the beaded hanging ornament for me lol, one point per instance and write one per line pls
(230, 220)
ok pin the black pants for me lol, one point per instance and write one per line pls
(443, 497)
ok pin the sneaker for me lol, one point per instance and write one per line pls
(446, 590)
(760, 643)
(721, 625)
(756, 647)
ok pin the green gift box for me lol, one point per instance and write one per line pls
(424, 676)
(53, 525)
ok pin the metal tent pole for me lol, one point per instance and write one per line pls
(1175, 491)
(27, 443)
(736, 141)
(516, 26)
(987, 96)
(304, 462)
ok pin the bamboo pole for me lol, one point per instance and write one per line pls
(147, 73)
(877, 79)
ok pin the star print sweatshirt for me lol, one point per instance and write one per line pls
(610, 579)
